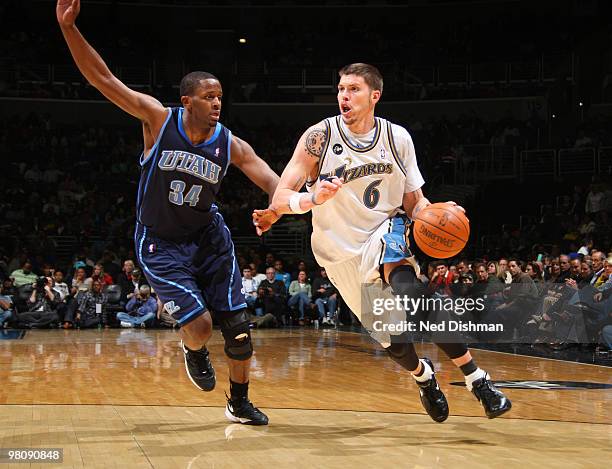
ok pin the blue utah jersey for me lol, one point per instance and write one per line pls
(179, 181)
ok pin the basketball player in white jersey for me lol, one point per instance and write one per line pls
(363, 182)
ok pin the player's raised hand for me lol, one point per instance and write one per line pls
(327, 190)
(67, 12)
(264, 219)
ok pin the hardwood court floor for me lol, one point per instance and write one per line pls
(120, 398)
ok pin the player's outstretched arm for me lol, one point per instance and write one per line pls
(144, 107)
(257, 170)
(287, 198)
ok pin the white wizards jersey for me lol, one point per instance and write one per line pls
(378, 169)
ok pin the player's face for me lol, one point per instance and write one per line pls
(355, 98)
(205, 104)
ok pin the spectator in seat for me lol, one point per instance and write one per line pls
(586, 274)
(552, 272)
(460, 268)
(503, 273)
(6, 307)
(67, 304)
(300, 293)
(132, 287)
(325, 297)
(99, 274)
(110, 267)
(598, 259)
(124, 279)
(90, 311)
(301, 265)
(595, 201)
(41, 306)
(8, 287)
(258, 276)
(521, 299)
(80, 282)
(534, 271)
(141, 308)
(269, 262)
(249, 285)
(24, 276)
(441, 279)
(281, 274)
(271, 295)
(564, 263)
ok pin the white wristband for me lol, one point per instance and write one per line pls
(294, 203)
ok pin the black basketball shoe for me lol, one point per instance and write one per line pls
(243, 411)
(495, 403)
(199, 369)
(433, 398)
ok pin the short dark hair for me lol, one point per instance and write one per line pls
(192, 80)
(370, 74)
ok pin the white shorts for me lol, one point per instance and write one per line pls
(358, 279)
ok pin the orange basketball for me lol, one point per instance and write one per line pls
(441, 230)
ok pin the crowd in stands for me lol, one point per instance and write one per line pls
(557, 300)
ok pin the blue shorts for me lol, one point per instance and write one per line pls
(192, 276)
(396, 245)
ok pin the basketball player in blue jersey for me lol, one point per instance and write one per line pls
(182, 242)
(363, 182)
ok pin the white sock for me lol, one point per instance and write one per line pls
(427, 372)
(469, 379)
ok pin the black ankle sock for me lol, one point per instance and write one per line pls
(239, 390)
(469, 368)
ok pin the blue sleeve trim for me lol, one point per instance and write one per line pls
(144, 159)
(229, 151)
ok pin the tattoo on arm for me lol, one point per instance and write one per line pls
(315, 142)
(297, 185)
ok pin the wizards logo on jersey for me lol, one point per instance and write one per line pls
(351, 174)
(190, 163)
